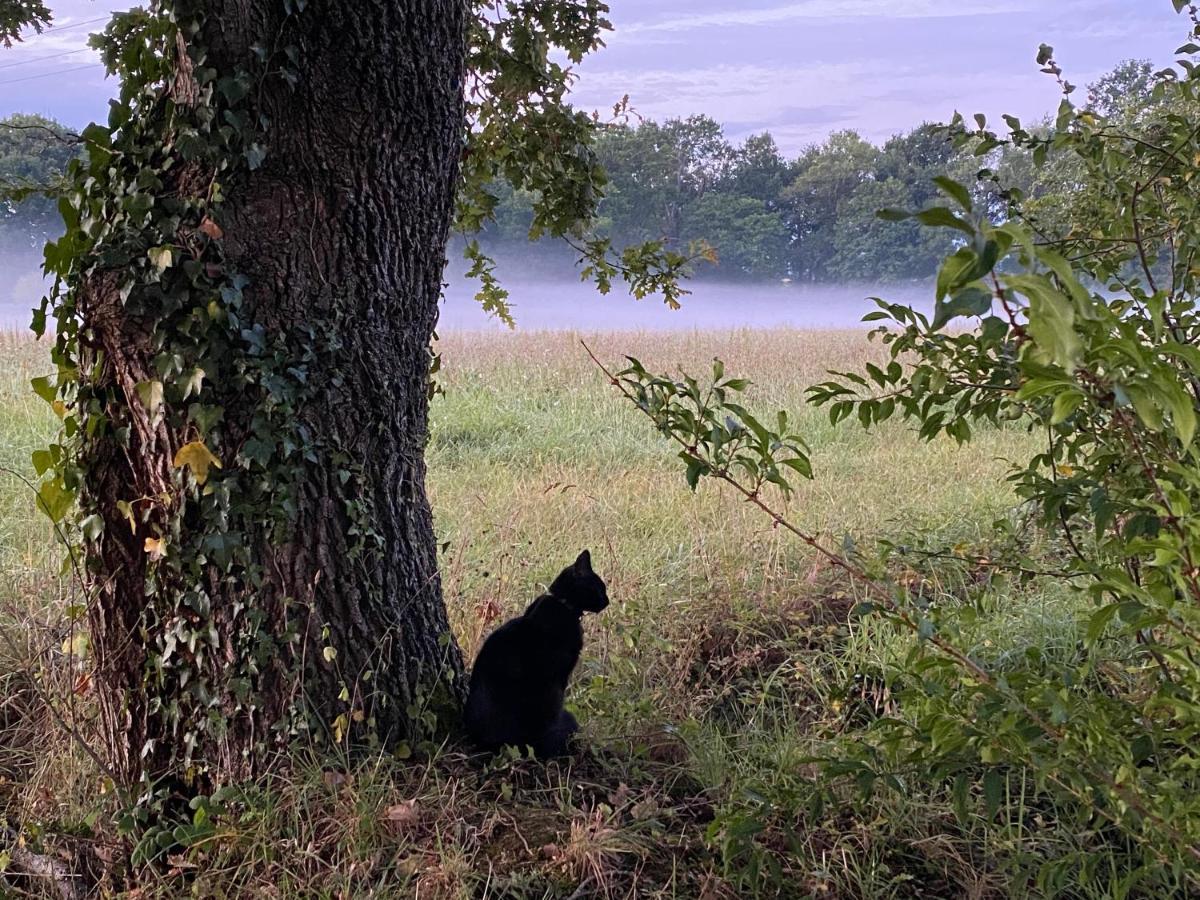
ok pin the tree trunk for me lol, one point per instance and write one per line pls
(341, 235)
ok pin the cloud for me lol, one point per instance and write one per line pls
(802, 104)
(826, 9)
(744, 93)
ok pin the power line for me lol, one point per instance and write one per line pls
(50, 74)
(38, 59)
(54, 29)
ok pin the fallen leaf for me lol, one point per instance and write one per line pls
(212, 229)
(76, 645)
(402, 817)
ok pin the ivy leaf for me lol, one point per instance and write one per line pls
(194, 382)
(54, 500)
(255, 156)
(156, 548)
(43, 461)
(151, 395)
(197, 457)
(45, 388)
(92, 527)
(162, 257)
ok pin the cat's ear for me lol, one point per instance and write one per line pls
(584, 563)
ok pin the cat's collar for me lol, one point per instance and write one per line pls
(566, 603)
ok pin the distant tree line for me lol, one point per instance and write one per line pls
(34, 153)
(812, 218)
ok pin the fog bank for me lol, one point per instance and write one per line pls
(557, 301)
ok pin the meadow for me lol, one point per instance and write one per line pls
(728, 663)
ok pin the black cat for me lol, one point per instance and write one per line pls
(520, 676)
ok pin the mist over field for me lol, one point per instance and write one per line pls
(21, 286)
(555, 300)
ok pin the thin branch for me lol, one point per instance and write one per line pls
(70, 138)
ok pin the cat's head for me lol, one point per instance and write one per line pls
(579, 587)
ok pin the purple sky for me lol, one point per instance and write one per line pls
(800, 68)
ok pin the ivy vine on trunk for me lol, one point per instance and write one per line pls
(246, 296)
(243, 305)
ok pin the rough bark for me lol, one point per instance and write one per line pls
(342, 236)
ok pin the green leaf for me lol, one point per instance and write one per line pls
(151, 395)
(1099, 621)
(955, 191)
(54, 500)
(952, 270)
(1051, 318)
(92, 527)
(1064, 405)
(43, 461)
(993, 791)
(45, 388)
(1183, 413)
(1145, 407)
(750, 422)
(800, 464)
(971, 301)
(941, 217)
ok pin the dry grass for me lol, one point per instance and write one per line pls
(719, 670)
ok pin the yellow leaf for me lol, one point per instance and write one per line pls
(125, 508)
(76, 645)
(197, 457)
(330, 654)
(161, 257)
(340, 724)
(60, 408)
(156, 547)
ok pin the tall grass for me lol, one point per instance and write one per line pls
(727, 662)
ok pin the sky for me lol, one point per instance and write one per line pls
(797, 68)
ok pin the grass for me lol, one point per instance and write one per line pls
(727, 662)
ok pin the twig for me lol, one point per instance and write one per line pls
(69, 138)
